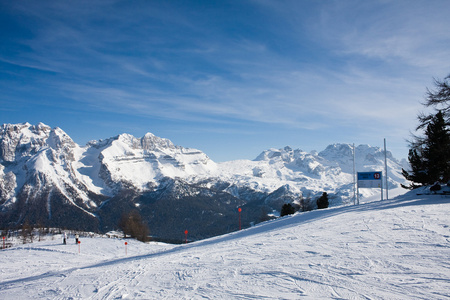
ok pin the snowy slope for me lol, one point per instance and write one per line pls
(395, 249)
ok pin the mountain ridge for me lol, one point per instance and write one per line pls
(45, 176)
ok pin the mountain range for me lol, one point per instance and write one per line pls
(48, 179)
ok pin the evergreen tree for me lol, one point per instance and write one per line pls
(429, 155)
(322, 202)
(287, 209)
(437, 150)
(418, 172)
(430, 159)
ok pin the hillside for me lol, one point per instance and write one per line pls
(395, 249)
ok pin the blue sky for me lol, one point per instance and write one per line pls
(231, 78)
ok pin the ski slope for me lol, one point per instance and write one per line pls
(394, 249)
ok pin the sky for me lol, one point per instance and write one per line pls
(231, 78)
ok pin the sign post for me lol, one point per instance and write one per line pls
(385, 170)
(370, 180)
(354, 175)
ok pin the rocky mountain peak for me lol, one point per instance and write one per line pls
(23, 140)
(286, 154)
(151, 142)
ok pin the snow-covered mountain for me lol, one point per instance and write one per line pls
(310, 174)
(107, 166)
(45, 177)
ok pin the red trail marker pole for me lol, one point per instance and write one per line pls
(79, 247)
(126, 248)
(4, 242)
(185, 235)
(239, 210)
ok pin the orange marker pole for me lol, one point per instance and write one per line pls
(239, 210)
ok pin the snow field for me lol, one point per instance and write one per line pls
(395, 249)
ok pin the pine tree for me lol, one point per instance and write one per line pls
(418, 172)
(322, 202)
(437, 150)
(429, 155)
(430, 159)
(287, 209)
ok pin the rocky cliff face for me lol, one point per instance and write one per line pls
(46, 178)
(38, 181)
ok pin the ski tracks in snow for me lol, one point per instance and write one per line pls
(384, 250)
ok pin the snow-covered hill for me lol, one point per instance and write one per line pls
(47, 178)
(395, 249)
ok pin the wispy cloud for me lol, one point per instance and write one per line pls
(294, 65)
(414, 33)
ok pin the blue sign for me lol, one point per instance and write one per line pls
(369, 175)
(369, 179)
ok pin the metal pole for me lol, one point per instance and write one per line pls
(386, 169)
(354, 175)
(381, 180)
(357, 192)
(381, 186)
